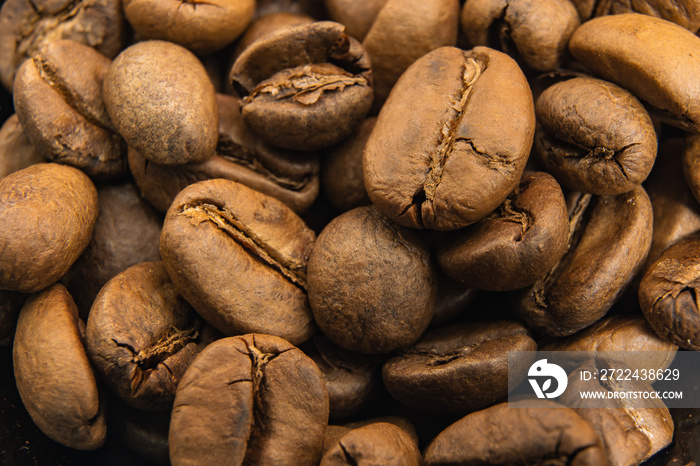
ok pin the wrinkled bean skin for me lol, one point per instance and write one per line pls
(239, 257)
(594, 136)
(448, 157)
(249, 410)
(371, 283)
(47, 214)
(519, 434)
(634, 51)
(141, 336)
(378, 443)
(53, 374)
(170, 125)
(668, 296)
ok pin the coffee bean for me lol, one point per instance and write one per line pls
(47, 214)
(305, 87)
(287, 175)
(251, 399)
(239, 257)
(378, 443)
(459, 368)
(594, 136)
(685, 13)
(201, 27)
(357, 17)
(447, 157)
(627, 50)
(515, 245)
(535, 33)
(61, 107)
(53, 374)
(267, 24)
(141, 336)
(609, 237)
(371, 283)
(16, 151)
(667, 294)
(170, 125)
(27, 26)
(525, 432)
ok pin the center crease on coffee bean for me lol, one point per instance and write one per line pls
(292, 270)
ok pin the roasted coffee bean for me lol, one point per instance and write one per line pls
(305, 87)
(286, 175)
(676, 212)
(378, 443)
(448, 156)
(401, 422)
(630, 434)
(634, 51)
(356, 16)
(47, 214)
(251, 399)
(691, 165)
(268, 24)
(127, 232)
(239, 257)
(594, 136)
(371, 282)
(515, 245)
(201, 27)
(685, 13)
(59, 101)
(459, 368)
(350, 377)
(170, 125)
(401, 33)
(141, 336)
(53, 374)
(26, 26)
(342, 177)
(668, 296)
(16, 151)
(535, 33)
(609, 238)
(524, 432)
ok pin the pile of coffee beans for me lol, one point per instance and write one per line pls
(306, 232)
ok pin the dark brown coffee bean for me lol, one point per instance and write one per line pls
(371, 283)
(170, 125)
(667, 294)
(252, 399)
(305, 87)
(515, 245)
(378, 443)
(141, 336)
(47, 213)
(525, 432)
(16, 151)
(691, 165)
(26, 26)
(356, 16)
(446, 157)
(535, 33)
(53, 374)
(59, 101)
(398, 421)
(268, 24)
(685, 13)
(343, 180)
(634, 51)
(312, 8)
(401, 33)
(350, 377)
(127, 232)
(594, 136)
(286, 175)
(459, 368)
(676, 211)
(239, 257)
(201, 27)
(630, 434)
(609, 238)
